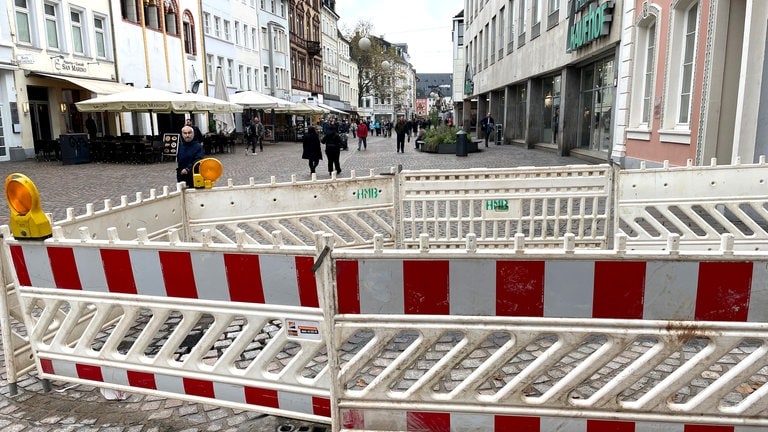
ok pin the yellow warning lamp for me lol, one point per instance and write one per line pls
(28, 222)
(205, 172)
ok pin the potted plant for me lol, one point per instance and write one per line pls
(441, 139)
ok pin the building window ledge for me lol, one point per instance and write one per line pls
(675, 136)
(639, 134)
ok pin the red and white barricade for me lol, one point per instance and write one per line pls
(231, 325)
(450, 340)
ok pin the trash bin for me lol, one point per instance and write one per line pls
(74, 148)
(461, 143)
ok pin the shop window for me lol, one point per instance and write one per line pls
(519, 112)
(551, 108)
(597, 100)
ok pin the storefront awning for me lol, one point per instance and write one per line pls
(101, 88)
(332, 109)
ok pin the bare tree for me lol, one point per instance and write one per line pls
(381, 71)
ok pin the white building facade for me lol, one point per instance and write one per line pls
(275, 49)
(63, 52)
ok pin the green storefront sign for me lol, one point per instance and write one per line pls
(593, 22)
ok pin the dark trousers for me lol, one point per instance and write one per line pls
(256, 140)
(333, 158)
(313, 163)
(401, 143)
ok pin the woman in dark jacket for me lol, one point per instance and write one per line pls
(312, 150)
(332, 142)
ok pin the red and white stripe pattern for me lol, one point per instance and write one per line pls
(567, 288)
(291, 402)
(269, 279)
(450, 422)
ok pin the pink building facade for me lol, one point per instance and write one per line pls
(691, 82)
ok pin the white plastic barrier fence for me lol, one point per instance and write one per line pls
(479, 339)
(155, 214)
(235, 326)
(543, 203)
(353, 208)
(698, 203)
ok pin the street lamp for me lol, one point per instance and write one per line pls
(364, 43)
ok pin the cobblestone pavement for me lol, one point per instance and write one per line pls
(83, 408)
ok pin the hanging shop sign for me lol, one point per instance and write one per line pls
(589, 21)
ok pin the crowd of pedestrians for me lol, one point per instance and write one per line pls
(330, 137)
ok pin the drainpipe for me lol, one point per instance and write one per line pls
(144, 37)
(270, 36)
(203, 55)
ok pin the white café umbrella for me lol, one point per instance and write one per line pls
(153, 100)
(302, 108)
(225, 122)
(255, 100)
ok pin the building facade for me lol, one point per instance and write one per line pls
(345, 76)
(329, 31)
(275, 49)
(306, 51)
(546, 70)
(693, 82)
(63, 52)
(160, 46)
(10, 112)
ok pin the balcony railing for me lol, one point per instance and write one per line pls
(313, 47)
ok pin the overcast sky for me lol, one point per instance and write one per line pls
(425, 25)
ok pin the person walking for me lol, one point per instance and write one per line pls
(362, 135)
(487, 124)
(555, 124)
(332, 143)
(256, 135)
(198, 133)
(90, 126)
(312, 150)
(189, 152)
(401, 129)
